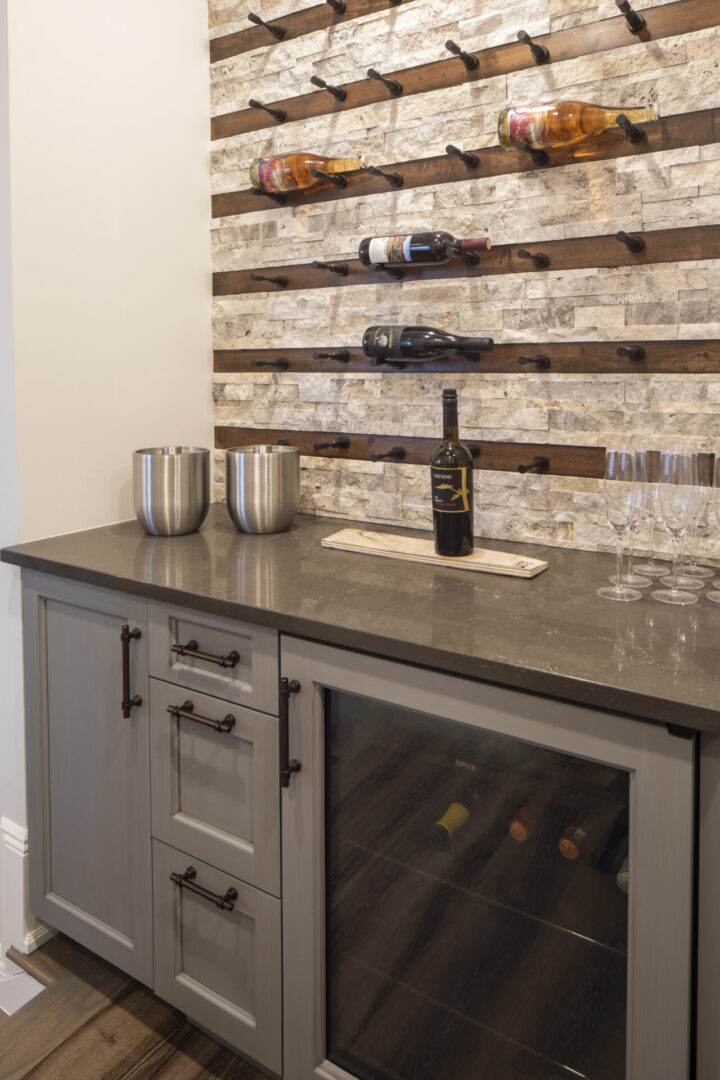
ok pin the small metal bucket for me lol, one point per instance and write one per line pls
(263, 487)
(171, 488)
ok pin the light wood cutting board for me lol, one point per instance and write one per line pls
(415, 549)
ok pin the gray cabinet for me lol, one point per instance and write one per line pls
(88, 769)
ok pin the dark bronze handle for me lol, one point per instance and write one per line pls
(191, 649)
(187, 710)
(287, 767)
(187, 881)
(126, 636)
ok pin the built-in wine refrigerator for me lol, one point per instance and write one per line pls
(479, 883)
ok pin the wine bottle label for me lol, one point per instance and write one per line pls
(385, 342)
(390, 249)
(270, 174)
(525, 124)
(451, 491)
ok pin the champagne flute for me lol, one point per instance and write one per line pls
(705, 464)
(677, 503)
(621, 495)
(649, 472)
(629, 577)
(715, 595)
(686, 578)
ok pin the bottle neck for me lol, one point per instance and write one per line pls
(451, 430)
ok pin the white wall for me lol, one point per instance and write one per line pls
(111, 221)
(111, 289)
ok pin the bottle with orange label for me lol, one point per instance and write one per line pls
(298, 172)
(575, 837)
(562, 123)
(524, 823)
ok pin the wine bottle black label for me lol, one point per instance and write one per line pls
(451, 491)
(385, 342)
(390, 249)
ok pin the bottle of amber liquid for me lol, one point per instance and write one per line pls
(562, 123)
(293, 172)
(452, 486)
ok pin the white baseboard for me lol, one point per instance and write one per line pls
(19, 929)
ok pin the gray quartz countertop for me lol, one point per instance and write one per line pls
(551, 635)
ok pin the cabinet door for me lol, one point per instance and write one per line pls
(479, 882)
(217, 953)
(88, 769)
(215, 789)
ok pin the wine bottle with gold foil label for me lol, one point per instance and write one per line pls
(293, 172)
(442, 832)
(419, 343)
(451, 480)
(419, 249)
(562, 123)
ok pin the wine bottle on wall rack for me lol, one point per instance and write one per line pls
(418, 343)
(293, 172)
(562, 123)
(451, 484)
(420, 249)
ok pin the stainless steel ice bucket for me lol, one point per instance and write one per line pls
(263, 487)
(171, 488)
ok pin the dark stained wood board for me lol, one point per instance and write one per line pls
(690, 357)
(502, 456)
(295, 24)
(669, 133)
(680, 17)
(577, 253)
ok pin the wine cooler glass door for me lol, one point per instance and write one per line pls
(480, 883)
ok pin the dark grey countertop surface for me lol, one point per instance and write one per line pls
(551, 634)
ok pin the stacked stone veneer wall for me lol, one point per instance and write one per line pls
(667, 301)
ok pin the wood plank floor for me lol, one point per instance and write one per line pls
(91, 1022)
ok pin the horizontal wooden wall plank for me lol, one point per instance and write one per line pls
(563, 460)
(295, 24)
(669, 133)
(576, 253)
(693, 357)
(680, 17)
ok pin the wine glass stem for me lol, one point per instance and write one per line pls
(676, 562)
(651, 538)
(631, 552)
(618, 559)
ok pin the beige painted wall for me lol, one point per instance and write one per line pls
(111, 255)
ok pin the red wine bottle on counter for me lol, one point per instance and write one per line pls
(418, 343)
(451, 481)
(420, 249)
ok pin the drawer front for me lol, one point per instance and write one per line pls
(249, 655)
(216, 794)
(220, 967)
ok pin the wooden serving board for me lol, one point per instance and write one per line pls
(415, 549)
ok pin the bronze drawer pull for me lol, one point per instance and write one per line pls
(187, 881)
(288, 765)
(187, 710)
(191, 649)
(126, 636)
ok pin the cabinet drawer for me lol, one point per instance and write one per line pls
(249, 655)
(216, 794)
(220, 967)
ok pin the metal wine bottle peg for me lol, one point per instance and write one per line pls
(471, 160)
(540, 54)
(282, 442)
(281, 363)
(632, 242)
(539, 157)
(274, 195)
(633, 352)
(338, 92)
(335, 178)
(470, 61)
(397, 453)
(635, 21)
(278, 32)
(277, 114)
(338, 6)
(538, 464)
(393, 85)
(279, 280)
(394, 179)
(340, 269)
(341, 443)
(394, 3)
(540, 361)
(341, 355)
(538, 260)
(391, 271)
(633, 133)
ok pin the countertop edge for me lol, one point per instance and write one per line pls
(529, 680)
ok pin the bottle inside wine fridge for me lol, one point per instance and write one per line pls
(418, 343)
(451, 482)
(562, 123)
(293, 172)
(420, 249)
